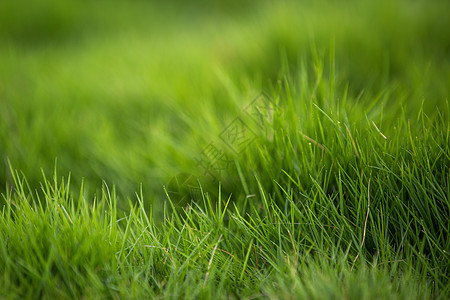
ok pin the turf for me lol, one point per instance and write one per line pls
(281, 150)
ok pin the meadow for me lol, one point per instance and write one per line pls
(225, 149)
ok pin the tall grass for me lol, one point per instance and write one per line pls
(57, 244)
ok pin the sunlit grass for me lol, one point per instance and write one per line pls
(338, 188)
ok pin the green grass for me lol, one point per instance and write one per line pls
(339, 190)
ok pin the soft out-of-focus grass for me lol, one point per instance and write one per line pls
(342, 193)
(116, 93)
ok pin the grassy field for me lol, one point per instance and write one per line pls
(225, 149)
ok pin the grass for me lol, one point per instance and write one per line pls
(336, 185)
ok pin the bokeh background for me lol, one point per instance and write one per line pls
(130, 92)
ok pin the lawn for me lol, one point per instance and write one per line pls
(225, 149)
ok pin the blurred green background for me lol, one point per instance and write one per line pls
(130, 92)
